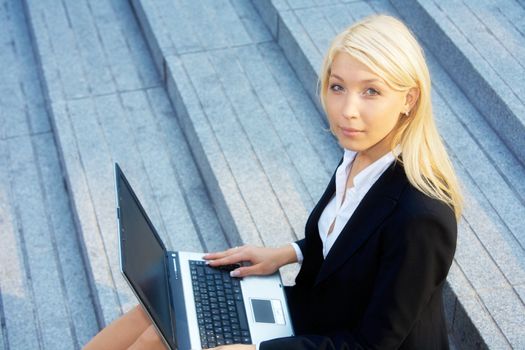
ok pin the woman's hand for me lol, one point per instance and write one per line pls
(265, 261)
(235, 347)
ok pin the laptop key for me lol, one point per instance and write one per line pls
(242, 315)
(219, 305)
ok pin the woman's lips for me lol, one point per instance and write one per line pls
(351, 131)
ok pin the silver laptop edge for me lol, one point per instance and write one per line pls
(165, 341)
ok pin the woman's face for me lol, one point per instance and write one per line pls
(362, 109)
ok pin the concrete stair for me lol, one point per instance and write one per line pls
(481, 45)
(263, 196)
(45, 298)
(210, 108)
(108, 104)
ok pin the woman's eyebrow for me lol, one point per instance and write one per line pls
(366, 81)
(337, 77)
(375, 80)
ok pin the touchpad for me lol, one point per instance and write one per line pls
(267, 311)
(262, 310)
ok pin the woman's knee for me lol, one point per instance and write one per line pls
(138, 314)
(149, 339)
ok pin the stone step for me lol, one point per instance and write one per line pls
(107, 104)
(240, 157)
(45, 300)
(490, 254)
(481, 45)
(264, 150)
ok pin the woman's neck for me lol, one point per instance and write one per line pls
(373, 153)
(369, 156)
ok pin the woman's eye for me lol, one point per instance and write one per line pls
(336, 88)
(371, 92)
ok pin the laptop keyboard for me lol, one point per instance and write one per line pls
(219, 305)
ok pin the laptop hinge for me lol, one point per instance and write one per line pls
(178, 307)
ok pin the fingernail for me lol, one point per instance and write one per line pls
(207, 262)
(234, 273)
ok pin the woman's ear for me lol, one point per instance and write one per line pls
(411, 98)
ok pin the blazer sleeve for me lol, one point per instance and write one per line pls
(415, 259)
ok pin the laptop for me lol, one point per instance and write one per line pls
(193, 305)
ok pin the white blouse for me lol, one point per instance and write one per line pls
(342, 211)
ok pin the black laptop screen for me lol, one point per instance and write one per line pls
(143, 257)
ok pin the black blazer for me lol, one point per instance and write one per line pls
(380, 286)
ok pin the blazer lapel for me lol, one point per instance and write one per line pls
(312, 230)
(313, 246)
(377, 204)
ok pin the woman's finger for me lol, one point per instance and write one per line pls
(228, 260)
(219, 255)
(216, 255)
(244, 271)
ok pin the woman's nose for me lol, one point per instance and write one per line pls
(350, 106)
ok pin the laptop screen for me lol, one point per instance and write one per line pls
(143, 257)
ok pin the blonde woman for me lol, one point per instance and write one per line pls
(379, 243)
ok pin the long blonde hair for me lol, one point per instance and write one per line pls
(386, 46)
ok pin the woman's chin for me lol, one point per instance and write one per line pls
(351, 145)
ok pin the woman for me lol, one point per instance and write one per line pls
(380, 241)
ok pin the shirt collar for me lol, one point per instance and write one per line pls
(370, 174)
(366, 178)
